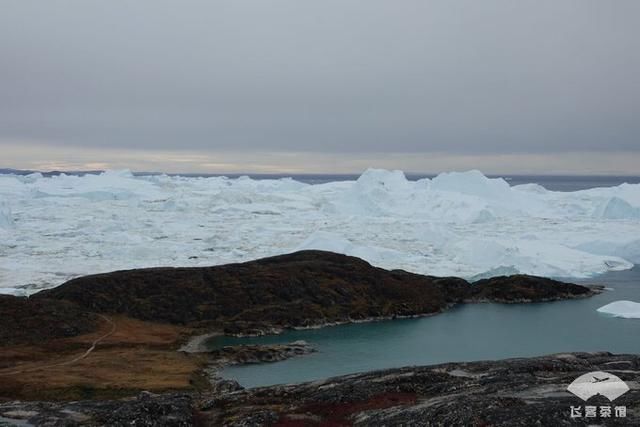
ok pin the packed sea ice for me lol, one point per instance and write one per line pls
(464, 224)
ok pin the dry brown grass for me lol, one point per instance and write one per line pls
(136, 332)
(137, 356)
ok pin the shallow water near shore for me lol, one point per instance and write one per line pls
(465, 333)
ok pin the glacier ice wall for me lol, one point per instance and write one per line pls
(461, 224)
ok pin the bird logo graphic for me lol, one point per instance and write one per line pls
(594, 383)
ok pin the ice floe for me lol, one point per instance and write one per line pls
(626, 309)
(460, 223)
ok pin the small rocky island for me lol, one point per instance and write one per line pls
(111, 336)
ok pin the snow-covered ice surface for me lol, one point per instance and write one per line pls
(464, 224)
(626, 309)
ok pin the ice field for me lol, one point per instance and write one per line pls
(464, 224)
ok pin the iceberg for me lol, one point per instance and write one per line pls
(626, 309)
(617, 208)
(473, 183)
(458, 223)
(378, 193)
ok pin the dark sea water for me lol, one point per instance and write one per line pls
(465, 333)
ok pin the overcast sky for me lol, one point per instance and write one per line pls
(321, 86)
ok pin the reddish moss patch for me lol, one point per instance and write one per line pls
(339, 414)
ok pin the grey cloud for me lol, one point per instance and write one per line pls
(335, 76)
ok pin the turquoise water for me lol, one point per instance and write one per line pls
(465, 333)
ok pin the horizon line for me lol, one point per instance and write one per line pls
(292, 174)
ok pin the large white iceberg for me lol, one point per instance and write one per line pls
(460, 223)
(626, 309)
(473, 183)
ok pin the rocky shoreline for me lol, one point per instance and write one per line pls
(225, 356)
(512, 392)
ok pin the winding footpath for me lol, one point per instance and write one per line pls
(75, 359)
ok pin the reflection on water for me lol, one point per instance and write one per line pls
(465, 333)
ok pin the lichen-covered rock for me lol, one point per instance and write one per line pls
(165, 410)
(251, 353)
(513, 392)
(260, 353)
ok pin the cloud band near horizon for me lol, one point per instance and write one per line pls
(331, 86)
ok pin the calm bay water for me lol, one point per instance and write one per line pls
(465, 333)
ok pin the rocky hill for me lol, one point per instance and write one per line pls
(295, 290)
(24, 320)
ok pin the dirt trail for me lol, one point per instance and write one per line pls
(75, 359)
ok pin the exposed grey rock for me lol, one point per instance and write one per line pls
(245, 354)
(258, 353)
(513, 392)
(170, 410)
